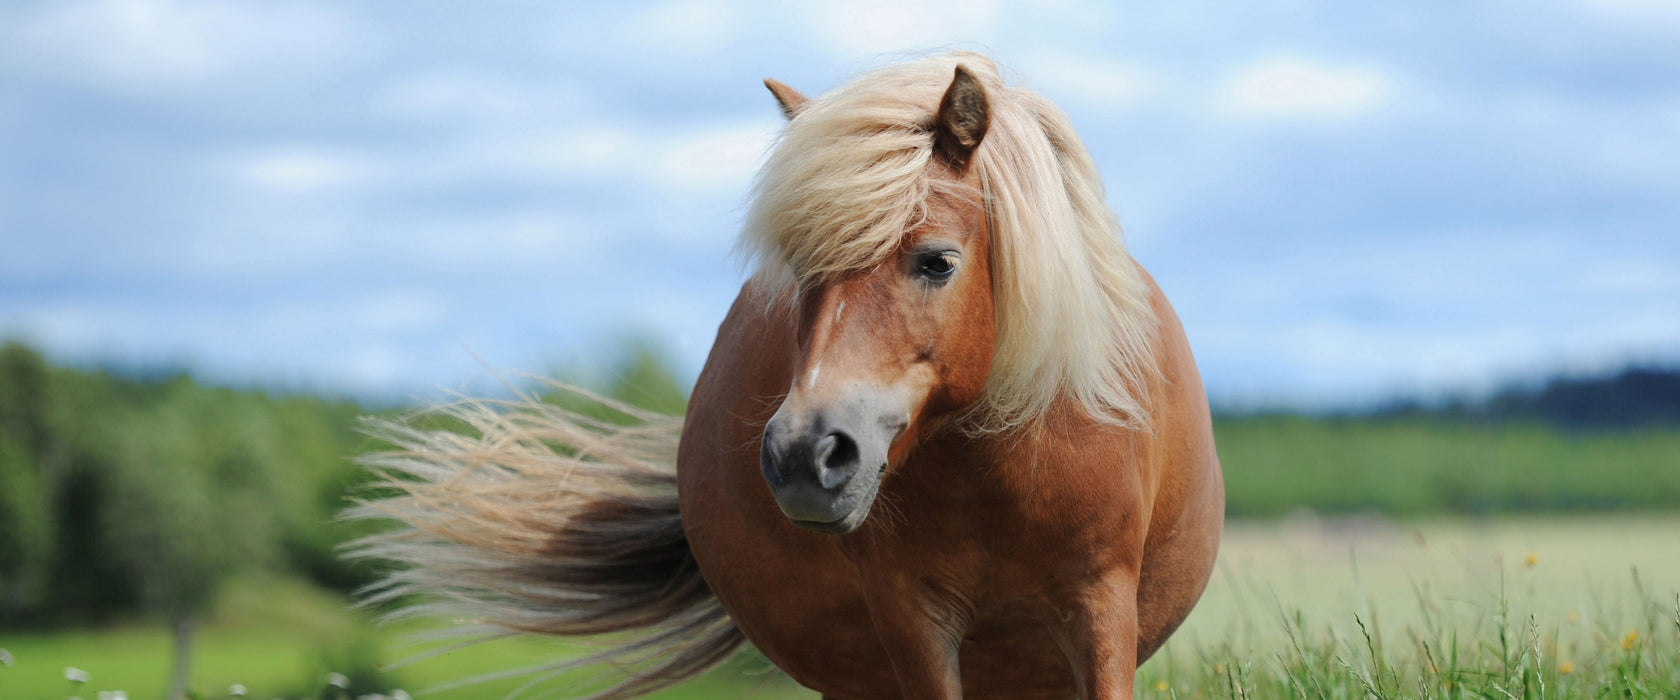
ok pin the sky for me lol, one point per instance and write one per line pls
(1345, 201)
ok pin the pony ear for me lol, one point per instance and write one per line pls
(789, 99)
(964, 115)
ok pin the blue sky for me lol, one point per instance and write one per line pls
(1345, 201)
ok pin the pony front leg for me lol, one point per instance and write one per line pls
(921, 635)
(1101, 638)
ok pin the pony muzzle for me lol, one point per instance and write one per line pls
(825, 467)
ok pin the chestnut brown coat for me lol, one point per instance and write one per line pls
(1042, 560)
(950, 441)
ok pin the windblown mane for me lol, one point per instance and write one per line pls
(849, 177)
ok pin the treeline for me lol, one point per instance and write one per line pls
(1422, 465)
(1567, 444)
(121, 496)
(124, 495)
(1634, 397)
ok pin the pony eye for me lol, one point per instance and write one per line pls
(936, 267)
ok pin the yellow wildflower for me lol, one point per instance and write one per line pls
(1573, 616)
(1219, 669)
(1530, 560)
(1566, 668)
(1630, 639)
(1161, 685)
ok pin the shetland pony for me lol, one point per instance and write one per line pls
(950, 441)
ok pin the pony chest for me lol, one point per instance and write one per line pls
(1015, 545)
(1018, 509)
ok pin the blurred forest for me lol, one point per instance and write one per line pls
(122, 495)
(125, 497)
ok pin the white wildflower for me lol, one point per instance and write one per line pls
(76, 675)
(119, 695)
(238, 690)
(104, 695)
(5, 659)
(337, 680)
(400, 694)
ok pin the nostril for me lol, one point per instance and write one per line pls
(845, 450)
(824, 449)
(836, 457)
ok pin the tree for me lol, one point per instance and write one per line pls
(191, 498)
(645, 379)
(27, 447)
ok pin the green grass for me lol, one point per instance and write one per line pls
(1452, 609)
(280, 638)
(1533, 607)
(1417, 466)
(268, 635)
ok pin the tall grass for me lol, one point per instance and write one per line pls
(1455, 648)
(1464, 627)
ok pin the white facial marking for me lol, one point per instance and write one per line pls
(811, 381)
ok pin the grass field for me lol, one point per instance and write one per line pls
(1572, 601)
(1418, 467)
(1537, 606)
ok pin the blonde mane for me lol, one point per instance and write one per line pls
(849, 177)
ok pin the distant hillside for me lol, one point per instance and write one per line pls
(1581, 444)
(1636, 397)
(78, 445)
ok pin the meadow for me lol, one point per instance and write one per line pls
(1535, 606)
(1494, 551)
(1363, 607)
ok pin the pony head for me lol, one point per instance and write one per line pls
(942, 243)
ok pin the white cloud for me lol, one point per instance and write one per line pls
(1653, 324)
(1089, 79)
(1296, 88)
(374, 366)
(713, 160)
(549, 238)
(1640, 277)
(582, 149)
(375, 313)
(56, 323)
(148, 44)
(690, 27)
(710, 162)
(710, 159)
(869, 29)
(378, 365)
(281, 237)
(474, 97)
(399, 310)
(1659, 11)
(302, 169)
